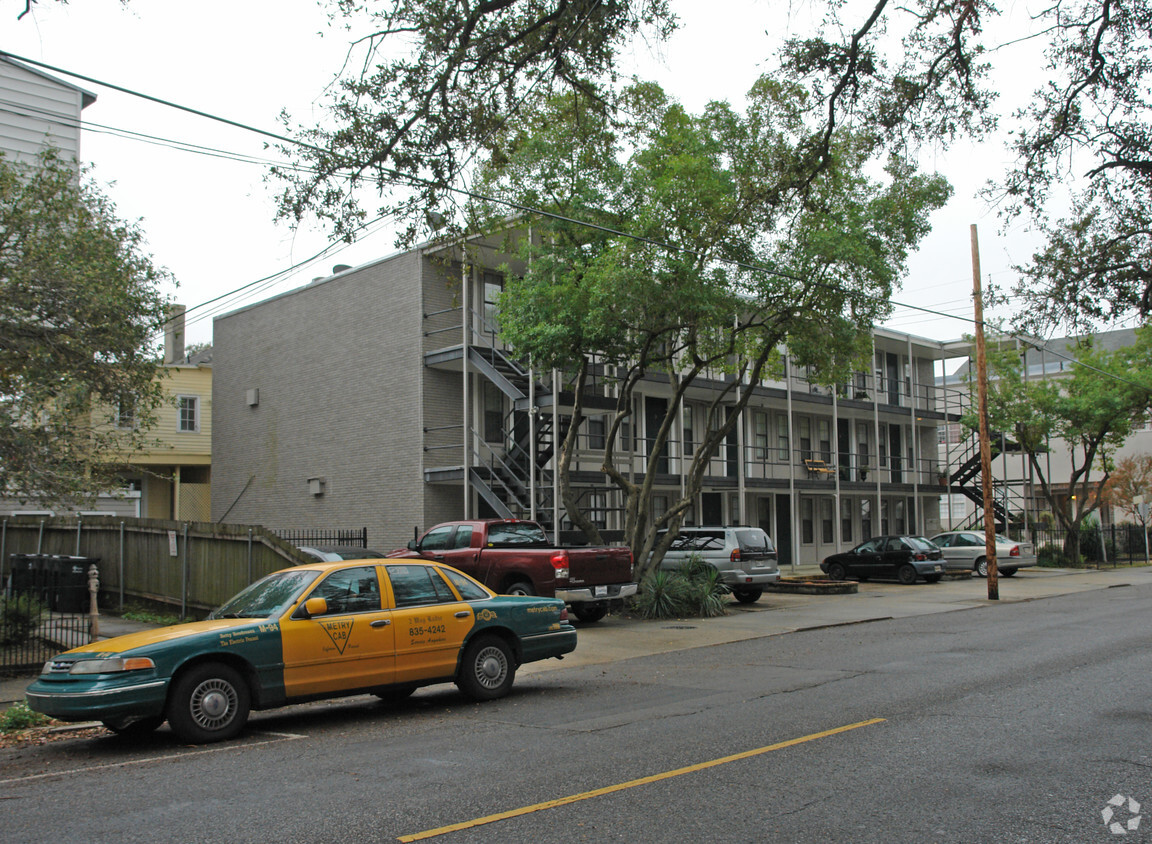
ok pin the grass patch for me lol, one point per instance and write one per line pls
(19, 717)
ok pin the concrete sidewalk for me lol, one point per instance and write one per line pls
(616, 638)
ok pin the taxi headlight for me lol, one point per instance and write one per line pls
(112, 665)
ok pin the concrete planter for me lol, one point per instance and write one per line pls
(813, 586)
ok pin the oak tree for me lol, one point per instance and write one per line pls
(80, 306)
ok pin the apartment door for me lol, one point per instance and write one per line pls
(783, 535)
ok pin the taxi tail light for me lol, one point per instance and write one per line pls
(560, 564)
(1015, 552)
(564, 614)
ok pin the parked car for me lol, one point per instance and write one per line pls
(904, 557)
(335, 553)
(965, 549)
(744, 556)
(515, 557)
(314, 631)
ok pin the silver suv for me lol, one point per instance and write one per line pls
(744, 556)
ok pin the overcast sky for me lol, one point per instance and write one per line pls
(209, 217)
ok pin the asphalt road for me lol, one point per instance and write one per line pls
(1013, 722)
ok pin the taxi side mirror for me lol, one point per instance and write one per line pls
(315, 606)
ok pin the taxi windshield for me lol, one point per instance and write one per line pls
(267, 597)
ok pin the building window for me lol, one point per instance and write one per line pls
(493, 286)
(845, 520)
(689, 432)
(126, 414)
(596, 433)
(189, 414)
(824, 437)
(760, 435)
(807, 521)
(493, 414)
(804, 426)
(826, 527)
(782, 437)
(866, 517)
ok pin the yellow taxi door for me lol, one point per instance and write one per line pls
(351, 646)
(430, 622)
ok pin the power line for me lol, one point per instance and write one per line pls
(418, 181)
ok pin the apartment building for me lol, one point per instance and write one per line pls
(382, 396)
(1017, 496)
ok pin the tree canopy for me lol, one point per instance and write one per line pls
(681, 246)
(79, 305)
(428, 87)
(1090, 412)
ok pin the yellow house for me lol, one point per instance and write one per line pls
(171, 477)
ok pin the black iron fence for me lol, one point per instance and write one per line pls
(1111, 545)
(44, 609)
(330, 536)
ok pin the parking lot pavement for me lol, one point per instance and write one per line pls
(618, 637)
(615, 637)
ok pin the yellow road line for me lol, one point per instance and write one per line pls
(598, 792)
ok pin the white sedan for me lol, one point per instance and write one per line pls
(964, 549)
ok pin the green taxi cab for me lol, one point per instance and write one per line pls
(305, 633)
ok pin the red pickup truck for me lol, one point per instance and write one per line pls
(514, 557)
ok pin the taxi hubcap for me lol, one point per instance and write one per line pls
(213, 702)
(490, 667)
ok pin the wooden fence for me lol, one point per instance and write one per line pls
(190, 566)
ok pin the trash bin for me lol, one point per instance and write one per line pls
(29, 576)
(69, 593)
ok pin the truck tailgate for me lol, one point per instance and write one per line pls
(599, 566)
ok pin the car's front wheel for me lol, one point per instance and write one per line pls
(981, 566)
(906, 574)
(487, 670)
(837, 571)
(208, 702)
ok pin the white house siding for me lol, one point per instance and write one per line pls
(38, 110)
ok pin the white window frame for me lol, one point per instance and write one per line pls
(180, 414)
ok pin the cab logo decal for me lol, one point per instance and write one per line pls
(229, 638)
(339, 631)
(486, 615)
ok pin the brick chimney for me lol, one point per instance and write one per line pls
(174, 334)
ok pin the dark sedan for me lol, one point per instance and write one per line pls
(904, 557)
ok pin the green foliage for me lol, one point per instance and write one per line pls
(19, 618)
(19, 717)
(1092, 409)
(427, 84)
(693, 245)
(695, 590)
(149, 616)
(80, 304)
(1051, 555)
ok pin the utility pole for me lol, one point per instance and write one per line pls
(985, 441)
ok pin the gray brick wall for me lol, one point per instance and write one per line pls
(338, 367)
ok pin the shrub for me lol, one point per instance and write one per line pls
(20, 717)
(19, 618)
(1051, 556)
(694, 590)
